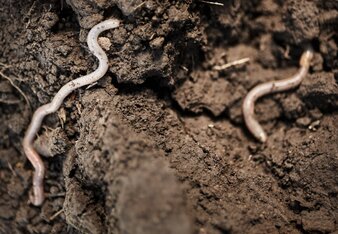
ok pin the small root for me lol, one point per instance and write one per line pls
(139, 6)
(62, 194)
(17, 88)
(9, 102)
(212, 3)
(231, 64)
(4, 65)
(55, 215)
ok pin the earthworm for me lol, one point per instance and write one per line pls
(272, 87)
(37, 197)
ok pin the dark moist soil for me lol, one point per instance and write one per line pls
(159, 145)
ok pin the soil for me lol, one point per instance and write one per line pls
(159, 145)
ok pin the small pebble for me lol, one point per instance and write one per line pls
(53, 189)
(314, 126)
(253, 148)
(104, 42)
(258, 157)
(316, 114)
(303, 121)
(156, 43)
(288, 165)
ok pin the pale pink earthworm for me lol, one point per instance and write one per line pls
(38, 191)
(272, 87)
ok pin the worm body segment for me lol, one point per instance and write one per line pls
(37, 197)
(272, 87)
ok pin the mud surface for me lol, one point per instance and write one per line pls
(158, 145)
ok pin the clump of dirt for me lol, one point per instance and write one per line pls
(159, 143)
(135, 186)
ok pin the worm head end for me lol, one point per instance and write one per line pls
(112, 23)
(306, 58)
(262, 137)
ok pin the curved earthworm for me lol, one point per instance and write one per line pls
(38, 192)
(272, 87)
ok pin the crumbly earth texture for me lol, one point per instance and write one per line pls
(159, 145)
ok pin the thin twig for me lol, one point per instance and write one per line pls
(55, 215)
(139, 5)
(17, 88)
(9, 102)
(29, 14)
(62, 194)
(212, 3)
(231, 64)
(5, 65)
(11, 169)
